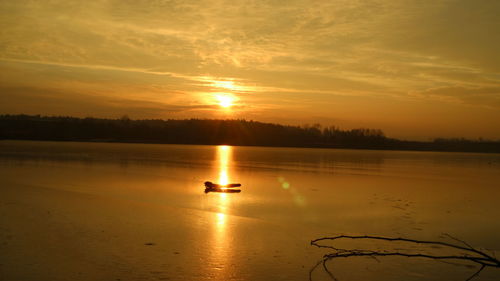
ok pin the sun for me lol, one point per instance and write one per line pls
(225, 101)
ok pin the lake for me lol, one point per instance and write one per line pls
(105, 211)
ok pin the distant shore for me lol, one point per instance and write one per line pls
(216, 132)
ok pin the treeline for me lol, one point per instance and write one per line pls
(208, 131)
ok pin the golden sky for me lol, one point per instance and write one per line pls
(415, 69)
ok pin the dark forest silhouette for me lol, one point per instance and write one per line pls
(214, 132)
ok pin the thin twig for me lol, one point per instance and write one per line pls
(456, 239)
(328, 271)
(313, 268)
(476, 273)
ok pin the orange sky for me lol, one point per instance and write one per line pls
(415, 69)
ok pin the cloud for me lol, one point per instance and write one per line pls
(483, 96)
(376, 42)
(31, 100)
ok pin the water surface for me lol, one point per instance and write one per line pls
(99, 211)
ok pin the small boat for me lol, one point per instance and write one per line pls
(225, 188)
(209, 184)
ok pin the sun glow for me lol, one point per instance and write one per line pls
(228, 85)
(225, 101)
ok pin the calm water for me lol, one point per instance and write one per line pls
(92, 211)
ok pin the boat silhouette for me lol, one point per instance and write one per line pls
(226, 188)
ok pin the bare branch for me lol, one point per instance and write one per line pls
(470, 254)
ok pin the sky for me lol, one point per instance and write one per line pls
(415, 69)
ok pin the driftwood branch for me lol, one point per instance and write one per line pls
(469, 254)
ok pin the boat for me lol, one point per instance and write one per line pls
(225, 188)
(209, 184)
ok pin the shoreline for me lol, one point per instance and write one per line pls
(395, 149)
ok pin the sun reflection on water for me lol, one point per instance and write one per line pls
(221, 220)
(221, 237)
(223, 157)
